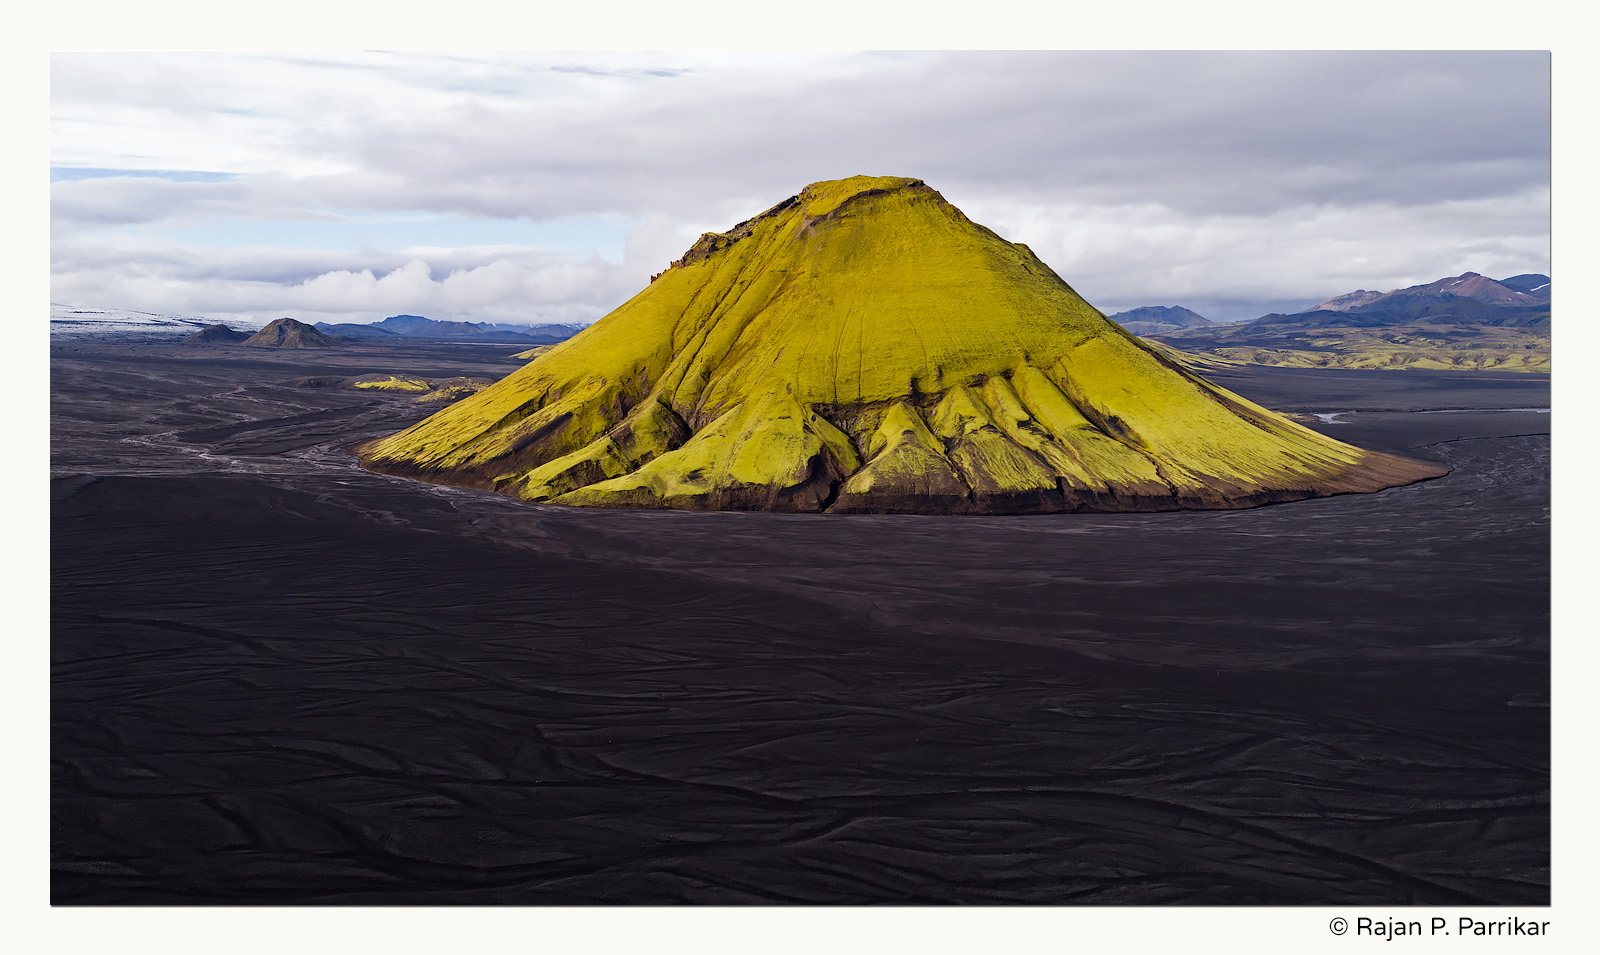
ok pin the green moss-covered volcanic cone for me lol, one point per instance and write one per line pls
(288, 333)
(864, 347)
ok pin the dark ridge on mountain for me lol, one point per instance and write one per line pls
(864, 347)
(216, 335)
(1529, 283)
(288, 333)
(1159, 318)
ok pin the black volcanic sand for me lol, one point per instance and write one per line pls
(1335, 389)
(279, 679)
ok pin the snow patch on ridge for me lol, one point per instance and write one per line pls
(72, 321)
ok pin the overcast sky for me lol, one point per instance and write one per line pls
(547, 187)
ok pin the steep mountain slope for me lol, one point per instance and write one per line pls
(863, 346)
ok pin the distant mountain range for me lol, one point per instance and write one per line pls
(1159, 318)
(1465, 299)
(353, 330)
(1465, 321)
(418, 327)
(74, 321)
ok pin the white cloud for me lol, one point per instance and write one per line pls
(498, 284)
(1143, 178)
(1238, 266)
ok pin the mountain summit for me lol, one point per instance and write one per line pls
(1467, 285)
(288, 333)
(864, 347)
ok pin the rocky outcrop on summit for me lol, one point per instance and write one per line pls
(864, 347)
(288, 333)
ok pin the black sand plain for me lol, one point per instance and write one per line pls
(279, 679)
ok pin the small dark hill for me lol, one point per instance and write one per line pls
(288, 333)
(216, 335)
